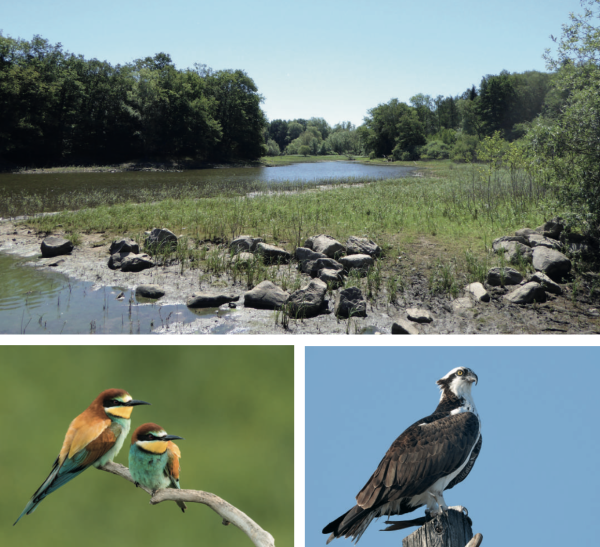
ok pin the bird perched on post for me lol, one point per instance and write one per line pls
(93, 438)
(154, 459)
(432, 455)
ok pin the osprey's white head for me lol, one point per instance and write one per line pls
(459, 382)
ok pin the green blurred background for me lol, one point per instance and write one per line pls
(234, 406)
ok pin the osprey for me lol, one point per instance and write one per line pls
(432, 455)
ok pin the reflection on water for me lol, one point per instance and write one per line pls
(42, 302)
(29, 194)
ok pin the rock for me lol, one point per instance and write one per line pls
(132, 262)
(478, 292)
(208, 300)
(149, 291)
(362, 246)
(546, 282)
(326, 245)
(307, 302)
(125, 245)
(350, 303)
(56, 246)
(265, 296)
(525, 294)
(359, 262)
(331, 277)
(502, 242)
(402, 326)
(553, 228)
(513, 250)
(302, 253)
(243, 258)
(270, 253)
(161, 237)
(245, 243)
(114, 262)
(419, 315)
(323, 264)
(503, 276)
(537, 240)
(524, 232)
(553, 263)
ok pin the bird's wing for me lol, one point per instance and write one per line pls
(467, 469)
(82, 431)
(173, 469)
(427, 451)
(94, 450)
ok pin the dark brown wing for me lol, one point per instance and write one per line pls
(467, 469)
(98, 447)
(427, 451)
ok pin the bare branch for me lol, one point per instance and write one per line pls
(225, 510)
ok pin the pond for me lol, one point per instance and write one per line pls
(27, 194)
(42, 302)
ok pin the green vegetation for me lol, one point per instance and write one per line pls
(59, 108)
(233, 405)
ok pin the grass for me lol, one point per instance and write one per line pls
(274, 161)
(457, 210)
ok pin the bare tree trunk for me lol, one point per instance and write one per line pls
(226, 511)
(449, 529)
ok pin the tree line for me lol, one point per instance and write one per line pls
(57, 107)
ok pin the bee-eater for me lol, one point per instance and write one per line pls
(93, 438)
(154, 459)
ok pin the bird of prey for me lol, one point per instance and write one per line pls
(432, 455)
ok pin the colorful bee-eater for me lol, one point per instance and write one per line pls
(94, 438)
(154, 459)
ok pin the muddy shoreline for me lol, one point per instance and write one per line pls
(88, 262)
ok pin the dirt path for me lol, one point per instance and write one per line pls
(568, 313)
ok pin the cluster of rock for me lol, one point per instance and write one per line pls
(542, 248)
(125, 256)
(408, 324)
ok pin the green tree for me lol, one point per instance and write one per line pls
(304, 150)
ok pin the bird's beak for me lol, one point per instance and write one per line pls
(473, 378)
(135, 403)
(171, 438)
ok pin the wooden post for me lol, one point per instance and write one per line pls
(449, 529)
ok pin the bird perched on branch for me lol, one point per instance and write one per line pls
(154, 459)
(432, 455)
(93, 438)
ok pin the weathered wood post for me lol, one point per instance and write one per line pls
(449, 529)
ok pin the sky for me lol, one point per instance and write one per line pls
(537, 475)
(333, 59)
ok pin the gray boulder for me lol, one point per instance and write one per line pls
(502, 242)
(243, 258)
(265, 296)
(245, 243)
(125, 245)
(526, 294)
(359, 262)
(478, 292)
(402, 326)
(302, 253)
(513, 250)
(553, 263)
(149, 291)
(132, 262)
(419, 315)
(271, 253)
(208, 300)
(326, 245)
(323, 264)
(503, 276)
(524, 232)
(362, 246)
(307, 302)
(331, 277)
(546, 282)
(56, 246)
(350, 303)
(161, 237)
(538, 240)
(552, 228)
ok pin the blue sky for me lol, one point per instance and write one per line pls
(333, 59)
(538, 468)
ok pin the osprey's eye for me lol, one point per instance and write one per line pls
(459, 373)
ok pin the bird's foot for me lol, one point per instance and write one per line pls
(137, 484)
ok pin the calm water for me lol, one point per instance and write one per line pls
(42, 302)
(29, 194)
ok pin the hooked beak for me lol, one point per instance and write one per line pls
(472, 378)
(135, 403)
(171, 437)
